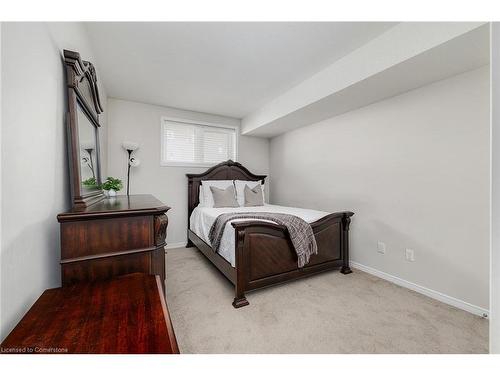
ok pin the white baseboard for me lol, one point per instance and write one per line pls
(423, 290)
(175, 245)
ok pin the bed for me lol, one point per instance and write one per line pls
(256, 253)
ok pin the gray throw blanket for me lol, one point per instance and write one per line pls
(300, 231)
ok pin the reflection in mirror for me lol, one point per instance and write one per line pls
(89, 170)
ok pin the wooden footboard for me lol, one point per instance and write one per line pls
(265, 255)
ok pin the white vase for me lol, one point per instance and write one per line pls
(111, 193)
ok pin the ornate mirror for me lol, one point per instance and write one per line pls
(84, 107)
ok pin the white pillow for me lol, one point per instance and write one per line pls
(208, 199)
(240, 190)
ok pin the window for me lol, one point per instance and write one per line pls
(196, 144)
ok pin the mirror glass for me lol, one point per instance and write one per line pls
(89, 159)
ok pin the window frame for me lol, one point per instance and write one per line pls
(194, 122)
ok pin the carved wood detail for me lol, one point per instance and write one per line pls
(161, 223)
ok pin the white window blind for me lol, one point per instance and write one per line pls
(192, 144)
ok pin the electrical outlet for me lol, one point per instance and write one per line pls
(381, 247)
(410, 255)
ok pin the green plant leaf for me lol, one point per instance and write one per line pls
(112, 183)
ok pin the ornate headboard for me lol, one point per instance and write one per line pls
(227, 170)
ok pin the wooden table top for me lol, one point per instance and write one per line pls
(117, 206)
(127, 314)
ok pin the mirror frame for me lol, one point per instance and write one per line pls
(78, 74)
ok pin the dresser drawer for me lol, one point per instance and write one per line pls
(91, 237)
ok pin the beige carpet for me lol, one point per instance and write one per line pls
(327, 313)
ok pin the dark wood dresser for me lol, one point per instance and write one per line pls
(127, 314)
(113, 237)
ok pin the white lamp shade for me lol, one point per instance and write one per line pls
(130, 145)
(134, 162)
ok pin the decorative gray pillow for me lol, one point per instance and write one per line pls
(253, 197)
(224, 197)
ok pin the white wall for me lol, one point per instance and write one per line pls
(415, 170)
(35, 183)
(495, 191)
(140, 123)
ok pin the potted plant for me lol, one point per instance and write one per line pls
(111, 186)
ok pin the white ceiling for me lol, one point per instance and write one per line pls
(229, 69)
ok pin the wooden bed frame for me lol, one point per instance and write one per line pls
(264, 253)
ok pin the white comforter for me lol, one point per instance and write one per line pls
(202, 219)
